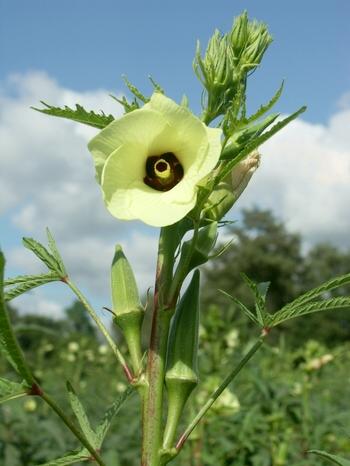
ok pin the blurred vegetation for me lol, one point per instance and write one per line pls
(294, 395)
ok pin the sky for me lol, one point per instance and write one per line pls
(77, 51)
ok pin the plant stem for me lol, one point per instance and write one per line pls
(155, 373)
(102, 328)
(218, 392)
(94, 454)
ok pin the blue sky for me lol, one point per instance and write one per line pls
(76, 51)
(89, 45)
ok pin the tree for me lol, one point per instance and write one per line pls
(265, 251)
(79, 320)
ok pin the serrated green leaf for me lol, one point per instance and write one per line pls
(242, 307)
(259, 298)
(128, 106)
(44, 255)
(105, 424)
(157, 87)
(330, 304)
(263, 288)
(329, 285)
(133, 89)
(81, 416)
(242, 137)
(80, 115)
(239, 154)
(27, 283)
(55, 251)
(265, 108)
(72, 457)
(8, 342)
(10, 390)
(334, 459)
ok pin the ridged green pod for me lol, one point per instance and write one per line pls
(127, 306)
(182, 373)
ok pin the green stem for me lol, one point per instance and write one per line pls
(155, 373)
(102, 328)
(217, 393)
(76, 432)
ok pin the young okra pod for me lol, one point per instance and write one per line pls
(182, 373)
(127, 307)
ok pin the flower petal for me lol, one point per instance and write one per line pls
(140, 126)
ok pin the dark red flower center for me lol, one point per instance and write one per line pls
(163, 172)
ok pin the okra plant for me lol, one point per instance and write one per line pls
(163, 165)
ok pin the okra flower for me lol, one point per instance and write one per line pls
(150, 161)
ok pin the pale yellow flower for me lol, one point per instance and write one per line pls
(149, 162)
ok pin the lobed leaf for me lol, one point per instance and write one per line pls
(334, 459)
(54, 250)
(331, 304)
(329, 285)
(72, 457)
(44, 255)
(259, 291)
(135, 91)
(81, 416)
(103, 427)
(10, 390)
(80, 115)
(26, 283)
(243, 307)
(238, 154)
(8, 342)
(265, 108)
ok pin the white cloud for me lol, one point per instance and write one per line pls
(38, 304)
(47, 179)
(305, 178)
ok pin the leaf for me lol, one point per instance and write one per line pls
(259, 291)
(157, 87)
(242, 307)
(128, 106)
(326, 286)
(133, 89)
(10, 390)
(263, 288)
(79, 115)
(26, 283)
(265, 108)
(331, 304)
(241, 137)
(70, 458)
(81, 416)
(44, 255)
(54, 250)
(8, 342)
(334, 459)
(236, 155)
(105, 424)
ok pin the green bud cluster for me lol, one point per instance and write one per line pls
(228, 60)
(127, 307)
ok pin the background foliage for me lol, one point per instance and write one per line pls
(292, 397)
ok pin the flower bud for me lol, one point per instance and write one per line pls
(249, 41)
(206, 240)
(181, 376)
(127, 307)
(228, 191)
